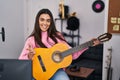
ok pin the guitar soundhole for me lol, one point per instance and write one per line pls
(57, 56)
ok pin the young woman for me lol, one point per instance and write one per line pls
(45, 35)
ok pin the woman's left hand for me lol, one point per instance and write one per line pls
(96, 42)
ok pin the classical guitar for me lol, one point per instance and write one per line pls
(47, 61)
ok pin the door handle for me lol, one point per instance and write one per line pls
(3, 34)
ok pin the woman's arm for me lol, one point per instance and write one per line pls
(29, 44)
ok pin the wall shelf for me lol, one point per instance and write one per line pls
(74, 35)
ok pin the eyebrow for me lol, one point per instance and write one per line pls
(45, 19)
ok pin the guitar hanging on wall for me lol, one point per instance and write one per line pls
(61, 9)
(47, 61)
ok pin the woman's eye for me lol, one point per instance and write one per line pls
(41, 19)
(48, 20)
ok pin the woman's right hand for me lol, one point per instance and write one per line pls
(31, 52)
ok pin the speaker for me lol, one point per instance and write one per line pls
(98, 6)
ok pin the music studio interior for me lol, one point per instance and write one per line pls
(78, 21)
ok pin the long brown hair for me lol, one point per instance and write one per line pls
(52, 31)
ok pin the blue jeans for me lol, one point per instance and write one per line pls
(60, 75)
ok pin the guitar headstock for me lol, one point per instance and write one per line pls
(105, 37)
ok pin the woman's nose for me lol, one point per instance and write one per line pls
(45, 22)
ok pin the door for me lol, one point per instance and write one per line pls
(12, 20)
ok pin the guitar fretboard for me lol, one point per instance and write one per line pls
(75, 49)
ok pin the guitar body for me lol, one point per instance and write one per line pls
(50, 66)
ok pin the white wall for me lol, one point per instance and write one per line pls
(114, 43)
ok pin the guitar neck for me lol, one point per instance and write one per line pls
(75, 49)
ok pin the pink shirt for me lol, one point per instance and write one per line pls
(31, 41)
